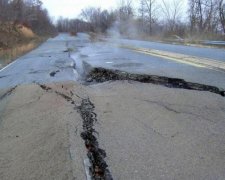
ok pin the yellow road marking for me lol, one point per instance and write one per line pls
(181, 58)
(170, 58)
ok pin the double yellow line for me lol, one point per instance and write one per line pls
(181, 58)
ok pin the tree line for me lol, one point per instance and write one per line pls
(30, 13)
(92, 19)
(153, 17)
(150, 17)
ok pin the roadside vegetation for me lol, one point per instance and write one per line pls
(24, 24)
(154, 20)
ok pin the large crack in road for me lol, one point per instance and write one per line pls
(99, 75)
(98, 167)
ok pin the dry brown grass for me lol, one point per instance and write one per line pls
(16, 40)
(26, 32)
(10, 54)
(12, 34)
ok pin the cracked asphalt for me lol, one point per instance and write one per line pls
(152, 132)
(47, 63)
(109, 55)
(147, 131)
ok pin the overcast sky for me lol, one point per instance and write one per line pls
(72, 8)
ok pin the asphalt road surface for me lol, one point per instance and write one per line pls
(218, 54)
(40, 64)
(110, 55)
(147, 131)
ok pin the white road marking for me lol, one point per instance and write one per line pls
(8, 65)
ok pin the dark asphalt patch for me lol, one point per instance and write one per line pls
(53, 73)
(99, 75)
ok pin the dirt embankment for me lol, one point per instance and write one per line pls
(15, 40)
(12, 34)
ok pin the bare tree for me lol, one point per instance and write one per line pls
(148, 11)
(4, 10)
(99, 20)
(126, 10)
(203, 15)
(106, 20)
(172, 13)
(18, 7)
(27, 12)
(141, 11)
(222, 13)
